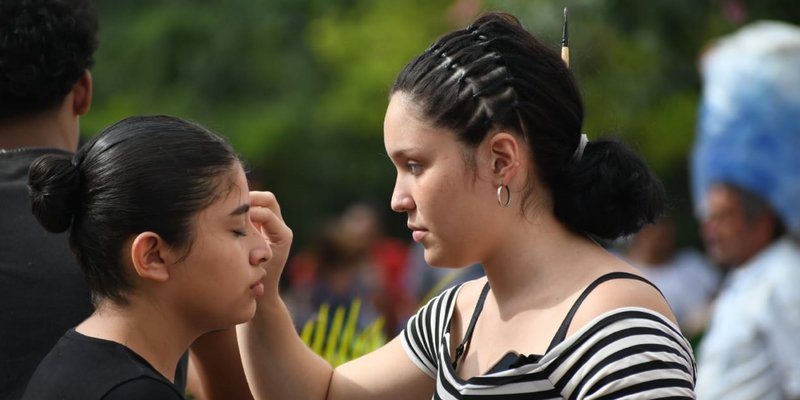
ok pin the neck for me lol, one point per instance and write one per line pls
(146, 329)
(541, 265)
(52, 129)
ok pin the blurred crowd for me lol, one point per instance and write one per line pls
(352, 258)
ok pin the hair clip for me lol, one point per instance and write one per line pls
(565, 39)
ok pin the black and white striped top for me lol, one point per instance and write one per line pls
(628, 353)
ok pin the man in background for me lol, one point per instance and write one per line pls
(46, 50)
(746, 186)
(684, 275)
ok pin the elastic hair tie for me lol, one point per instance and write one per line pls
(578, 154)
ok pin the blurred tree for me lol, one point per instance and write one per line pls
(241, 67)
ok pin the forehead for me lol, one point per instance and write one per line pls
(723, 199)
(405, 130)
(232, 190)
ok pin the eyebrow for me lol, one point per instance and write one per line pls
(403, 153)
(240, 210)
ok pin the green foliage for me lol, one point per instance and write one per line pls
(341, 343)
(364, 47)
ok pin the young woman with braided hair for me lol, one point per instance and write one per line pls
(484, 129)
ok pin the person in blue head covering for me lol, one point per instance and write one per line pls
(746, 189)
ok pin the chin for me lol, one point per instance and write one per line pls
(439, 260)
(247, 315)
(240, 316)
(432, 259)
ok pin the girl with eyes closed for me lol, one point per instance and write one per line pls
(484, 129)
(171, 243)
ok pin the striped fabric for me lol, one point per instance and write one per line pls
(628, 353)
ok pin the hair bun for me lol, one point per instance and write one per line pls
(53, 184)
(610, 192)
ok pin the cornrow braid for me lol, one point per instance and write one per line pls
(467, 72)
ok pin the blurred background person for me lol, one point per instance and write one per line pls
(389, 258)
(746, 186)
(425, 281)
(46, 51)
(344, 272)
(684, 275)
(350, 259)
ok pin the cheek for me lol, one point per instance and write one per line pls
(734, 229)
(461, 212)
(439, 199)
(220, 258)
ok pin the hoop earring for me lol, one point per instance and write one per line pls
(500, 190)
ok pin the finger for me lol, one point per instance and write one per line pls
(271, 225)
(266, 200)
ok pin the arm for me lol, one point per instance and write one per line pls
(214, 358)
(279, 365)
(386, 373)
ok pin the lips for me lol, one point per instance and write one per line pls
(417, 233)
(257, 288)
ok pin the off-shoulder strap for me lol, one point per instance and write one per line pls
(468, 334)
(561, 334)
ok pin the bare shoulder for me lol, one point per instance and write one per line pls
(615, 294)
(469, 293)
(467, 298)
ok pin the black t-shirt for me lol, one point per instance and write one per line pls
(42, 291)
(87, 368)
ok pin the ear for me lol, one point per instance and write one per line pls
(149, 255)
(504, 157)
(82, 94)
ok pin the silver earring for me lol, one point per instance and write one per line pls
(500, 190)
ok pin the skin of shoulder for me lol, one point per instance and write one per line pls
(608, 296)
(620, 293)
(469, 293)
(465, 304)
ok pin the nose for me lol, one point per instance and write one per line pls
(708, 228)
(401, 199)
(260, 252)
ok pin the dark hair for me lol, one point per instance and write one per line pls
(151, 173)
(45, 47)
(495, 75)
